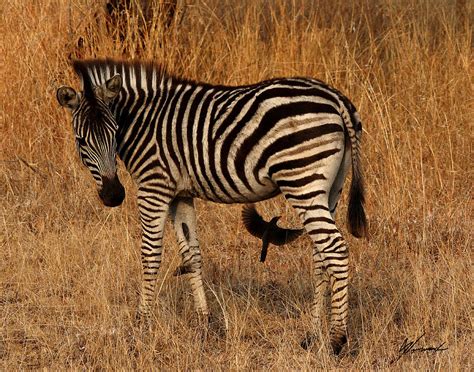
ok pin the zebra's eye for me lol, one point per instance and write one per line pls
(80, 141)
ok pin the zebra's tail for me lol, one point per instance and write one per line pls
(356, 215)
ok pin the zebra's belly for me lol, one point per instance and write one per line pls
(258, 192)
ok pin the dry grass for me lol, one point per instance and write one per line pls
(69, 267)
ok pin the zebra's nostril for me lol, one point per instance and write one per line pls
(112, 192)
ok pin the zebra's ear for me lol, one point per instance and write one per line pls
(110, 89)
(67, 97)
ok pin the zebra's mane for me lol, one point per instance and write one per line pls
(94, 71)
(87, 87)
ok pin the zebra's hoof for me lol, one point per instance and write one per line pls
(308, 341)
(338, 343)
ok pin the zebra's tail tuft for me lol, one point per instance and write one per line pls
(356, 213)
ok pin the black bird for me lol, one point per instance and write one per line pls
(269, 232)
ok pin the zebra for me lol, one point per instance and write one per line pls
(181, 139)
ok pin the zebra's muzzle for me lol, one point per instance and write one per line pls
(112, 192)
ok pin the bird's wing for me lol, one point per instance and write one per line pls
(253, 222)
(280, 236)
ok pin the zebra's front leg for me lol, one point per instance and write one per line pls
(153, 215)
(184, 216)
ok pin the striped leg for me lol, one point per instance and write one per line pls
(321, 285)
(330, 255)
(153, 213)
(334, 256)
(184, 217)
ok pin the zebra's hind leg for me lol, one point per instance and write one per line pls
(321, 285)
(184, 219)
(330, 255)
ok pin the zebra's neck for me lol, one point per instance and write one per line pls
(142, 105)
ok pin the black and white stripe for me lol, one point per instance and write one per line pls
(181, 139)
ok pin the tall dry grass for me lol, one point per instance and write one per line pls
(70, 268)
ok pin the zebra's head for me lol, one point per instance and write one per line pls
(95, 129)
